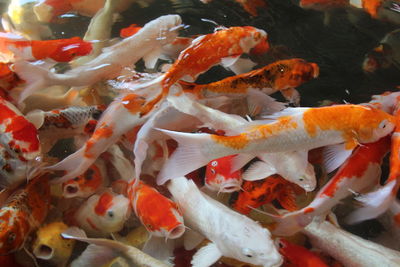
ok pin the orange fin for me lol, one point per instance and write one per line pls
(287, 199)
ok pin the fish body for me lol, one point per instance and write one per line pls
(231, 234)
(18, 135)
(108, 64)
(60, 50)
(23, 211)
(299, 256)
(208, 50)
(323, 5)
(160, 215)
(296, 129)
(258, 193)
(360, 172)
(220, 177)
(49, 244)
(282, 75)
(103, 214)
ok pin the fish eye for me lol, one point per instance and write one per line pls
(11, 237)
(214, 163)
(383, 124)
(247, 252)
(110, 213)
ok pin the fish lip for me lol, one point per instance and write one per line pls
(229, 187)
(42, 252)
(70, 194)
(176, 232)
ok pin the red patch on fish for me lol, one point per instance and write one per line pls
(104, 203)
(129, 31)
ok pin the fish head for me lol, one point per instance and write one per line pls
(254, 38)
(84, 185)
(68, 49)
(219, 176)
(256, 247)
(14, 228)
(373, 124)
(112, 211)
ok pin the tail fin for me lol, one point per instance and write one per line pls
(375, 203)
(187, 157)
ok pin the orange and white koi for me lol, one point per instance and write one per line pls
(295, 129)
(107, 65)
(220, 177)
(102, 214)
(85, 185)
(160, 215)
(261, 192)
(359, 173)
(298, 256)
(18, 135)
(231, 234)
(121, 116)
(60, 50)
(22, 213)
(282, 75)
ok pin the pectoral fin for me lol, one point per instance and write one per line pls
(335, 155)
(206, 256)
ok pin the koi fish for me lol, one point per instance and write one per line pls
(283, 76)
(109, 249)
(158, 214)
(360, 172)
(103, 214)
(60, 50)
(50, 246)
(18, 135)
(8, 80)
(219, 176)
(295, 129)
(252, 6)
(231, 234)
(298, 256)
(323, 5)
(349, 249)
(85, 185)
(370, 6)
(258, 193)
(107, 65)
(23, 211)
(225, 45)
(132, 110)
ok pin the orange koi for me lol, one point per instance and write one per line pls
(22, 213)
(220, 177)
(252, 6)
(85, 185)
(160, 215)
(359, 173)
(298, 256)
(18, 135)
(295, 129)
(283, 76)
(261, 192)
(211, 49)
(60, 50)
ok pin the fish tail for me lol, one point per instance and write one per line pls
(187, 157)
(374, 204)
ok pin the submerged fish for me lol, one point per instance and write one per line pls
(231, 234)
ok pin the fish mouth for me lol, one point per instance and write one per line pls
(70, 190)
(176, 232)
(43, 252)
(230, 187)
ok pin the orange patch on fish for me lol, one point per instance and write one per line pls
(133, 103)
(104, 203)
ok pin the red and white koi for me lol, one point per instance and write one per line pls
(231, 234)
(22, 213)
(359, 173)
(220, 177)
(295, 129)
(103, 214)
(107, 65)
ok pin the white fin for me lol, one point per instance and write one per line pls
(151, 58)
(286, 112)
(375, 203)
(140, 152)
(240, 160)
(191, 239)
(242, 65)
(160, 249)
(228, 61)
(206, 256)
(187, 157)
(123, 166)
(258, 170)
(261, 104)
(36, 117)
(74, 165)
(334, 156)
(291, 223)
(94, 255)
